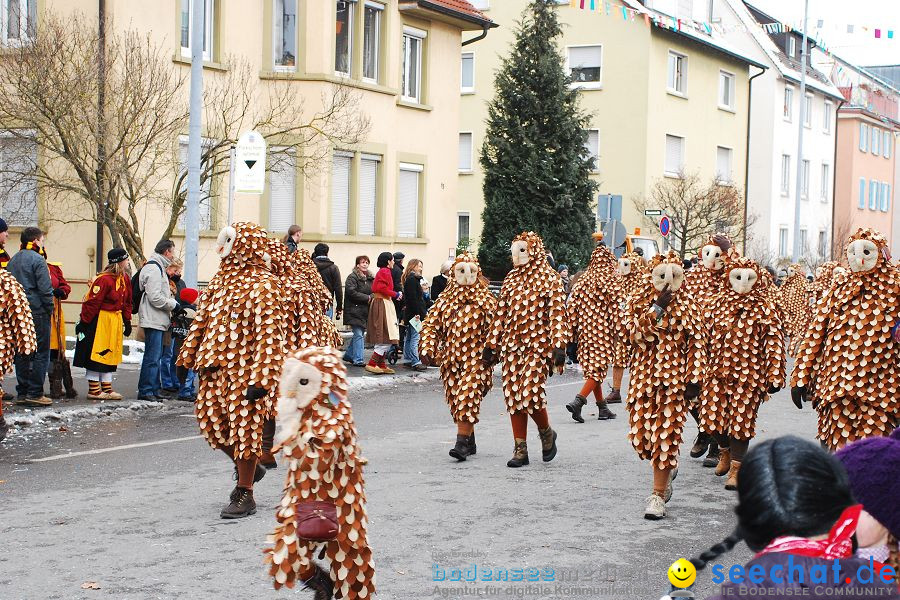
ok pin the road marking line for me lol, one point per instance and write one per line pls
(113, 449)
(550, 387)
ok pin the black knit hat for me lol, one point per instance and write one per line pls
(399, 256)
(3, 226)
(383, 259)
(116, 255)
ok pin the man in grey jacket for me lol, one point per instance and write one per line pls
(30, 269)
(155, 315)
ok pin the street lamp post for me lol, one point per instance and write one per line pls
(192, 212)
(802, 120)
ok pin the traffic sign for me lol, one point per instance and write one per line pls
(665, 225)
(250, 164)
(654, 212)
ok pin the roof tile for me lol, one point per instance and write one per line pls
(462, 6)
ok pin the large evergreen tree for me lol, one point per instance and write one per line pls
(534, 157)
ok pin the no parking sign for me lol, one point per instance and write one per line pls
(664, 225)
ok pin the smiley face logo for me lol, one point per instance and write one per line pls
(682, 573)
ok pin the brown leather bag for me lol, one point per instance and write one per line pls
(317, 521)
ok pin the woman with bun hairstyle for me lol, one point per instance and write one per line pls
(382, 329)
(795, 508)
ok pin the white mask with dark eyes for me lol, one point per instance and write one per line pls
(819, 271)
(300, 384)
(519, 251)
(790, 271)
(742, 280)
(837, 271)
(624, 267)
(225, 241)
(667, 274)
(862, 255)
(465, 273)
(711, 256)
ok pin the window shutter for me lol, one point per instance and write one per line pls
(585, 57)
(18, 192)
(862, 192)
(408, 204)
(340, 192)
(368, 195)
(593, 147)
(673, 154)
(465, 151)
(282, 200)
(873, 195)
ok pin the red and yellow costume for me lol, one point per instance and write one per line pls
(106, 307)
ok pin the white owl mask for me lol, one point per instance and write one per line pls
(225, 241)
(742, 280)
(465, 273)
(519, 252)
(862, 255)
(301, 383)
(667, 274)
(711, 256)
(624, 267)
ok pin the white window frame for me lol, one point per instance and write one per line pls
(666, 171)
(728, 178)
(804, 178)
(807, 111)
(784, 241)
(419, 169)
(462, 88)
(887, 143)
(863, 137)
(678, 79)
(351, 22)
(276, 34)
(421, 36)
(729, 82)
(803, 240)
(595, 156)
(379, 7)
(823, 243)
(25, 35)
(378, 160)
(785, 174)
(471, 168)
(331, 223)
(788, 107)
(826, 118)
(791, 46)
(585, 85)
(209, 20)
(825, 182)
(468, 215)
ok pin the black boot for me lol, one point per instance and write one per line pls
(548, 443)
(520, 455)
(603, 412)
(461, 450)
(242, 505)
(321, 584)
(4, 428)
(701, 444)
(472, 448)
(712, 458)
(575, 407)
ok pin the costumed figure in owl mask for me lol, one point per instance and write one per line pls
(825, 276)
(17, 335)
(701, 283)
(593, 311)
(454, 334)
(849, 362)
(745, 345)
(795, 295)
(529, 335)
(631, 269)
(236, 345)
(317, 436)
(667, 364)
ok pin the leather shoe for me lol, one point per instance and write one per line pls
(150, 398)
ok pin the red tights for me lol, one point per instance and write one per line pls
(592, 385)
(519, 422)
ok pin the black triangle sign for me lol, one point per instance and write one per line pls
(250, 163)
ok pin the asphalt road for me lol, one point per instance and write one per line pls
(91, 504)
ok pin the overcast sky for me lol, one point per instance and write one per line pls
(860, 47)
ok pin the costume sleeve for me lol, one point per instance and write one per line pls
(90, 308)
(496, 332)
(560, 330)
(187, 357)
(22, 323)
(775, 354)
(641, 323)
(696, 350)
(811, 346)
(270, 323)
(63, 284)
(431, 333)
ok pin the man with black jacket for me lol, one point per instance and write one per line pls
(331, 275)
(439, 282)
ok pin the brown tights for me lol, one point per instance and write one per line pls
(618, 372)
(246, 467)
(519, 422)
(465, 428)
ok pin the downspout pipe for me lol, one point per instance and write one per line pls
(830, 250)
(747, 154)
(484, 32)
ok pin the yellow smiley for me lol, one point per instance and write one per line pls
(682, 573)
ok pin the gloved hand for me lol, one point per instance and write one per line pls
(178, 312)
(774, 389)
(691, 390)
(425, 360)
(80, 327)
(559, 357)
(664, 298)
(206, 371)
(181, 374)
(127, 325)
(59, 293)
(722, 242)
(488, 358)
(254, 393)
(799, 396)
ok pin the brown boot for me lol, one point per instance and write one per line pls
(520, 455)
(548, 444)
(54, 376)
(613, 397)
(724, 462)
(731, 482)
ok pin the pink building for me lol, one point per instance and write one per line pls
(865, 174)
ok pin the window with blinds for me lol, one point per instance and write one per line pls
(408, 200)
(467, 80)
(723, 164)
(368, 194)
(340, 192)
(674, 155)
(585, 64)
(282, 190)
(18, 187)
(593, 147)
(206, 212)
(465, 152)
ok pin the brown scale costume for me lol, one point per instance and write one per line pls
(668, 354)
(628, 283)
(795, 302)
(454, 334)
(825, 275)
(849, 363)
(744, 335)
(318, 438)
(308, 271)
(530, 324)
(236, 341)
(16, 328)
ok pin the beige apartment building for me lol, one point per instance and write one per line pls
(396, 190)
(661, 101)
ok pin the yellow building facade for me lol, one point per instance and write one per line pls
(660, 101)
(396, 190)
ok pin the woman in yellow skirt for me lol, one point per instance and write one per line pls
(105, 321)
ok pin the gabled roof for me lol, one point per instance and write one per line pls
(461, 10)
(788, 68)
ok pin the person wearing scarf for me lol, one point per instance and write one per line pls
(105, 321)
(796, 511)
(746, 347)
